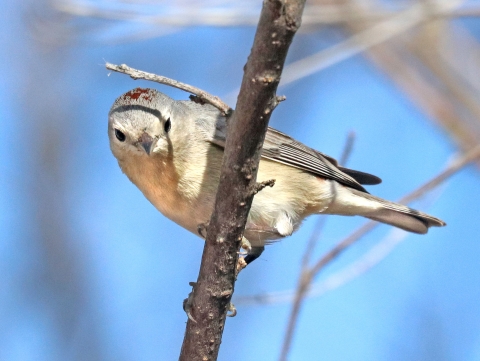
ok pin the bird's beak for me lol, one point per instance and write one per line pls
(146, 141)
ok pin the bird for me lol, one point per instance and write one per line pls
(172, 151)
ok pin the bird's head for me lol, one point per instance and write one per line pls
(140, 123)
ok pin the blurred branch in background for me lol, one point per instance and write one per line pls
(317, 231)
(375, 34)
(56, 285)
(414, 63)
(228, 14)
(417, 45)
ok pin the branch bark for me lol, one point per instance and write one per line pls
(279, 20)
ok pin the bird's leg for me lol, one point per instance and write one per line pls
(241, 264)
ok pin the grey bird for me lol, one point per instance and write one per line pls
(172, 151)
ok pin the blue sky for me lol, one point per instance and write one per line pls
(134, 265)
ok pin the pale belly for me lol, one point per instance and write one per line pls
(188, 201)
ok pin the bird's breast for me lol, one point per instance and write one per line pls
(183, 193)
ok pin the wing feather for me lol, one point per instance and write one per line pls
(282, 148)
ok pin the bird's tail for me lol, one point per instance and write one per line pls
(385, 211)
(402, 216)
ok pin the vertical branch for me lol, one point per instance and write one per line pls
(279, 20)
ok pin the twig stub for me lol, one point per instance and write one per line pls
(261, 185)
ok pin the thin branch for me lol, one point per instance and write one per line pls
(347, 151)
(313, 240)
(374, 256)
(279, 20)
(202, 94)
(342, 246)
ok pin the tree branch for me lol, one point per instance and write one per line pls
(279, 20)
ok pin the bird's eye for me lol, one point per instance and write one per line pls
(167, 125)
(120, 136)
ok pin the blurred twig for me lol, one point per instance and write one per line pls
(223, 14)
(56, 289)
(373, 35)
(347, 151)
(308, 276)
(359, 42)
(425, 64)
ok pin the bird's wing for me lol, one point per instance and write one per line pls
(284, 149)
(281, 148)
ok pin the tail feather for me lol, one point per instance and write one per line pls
(401, 220)
(398, 215)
